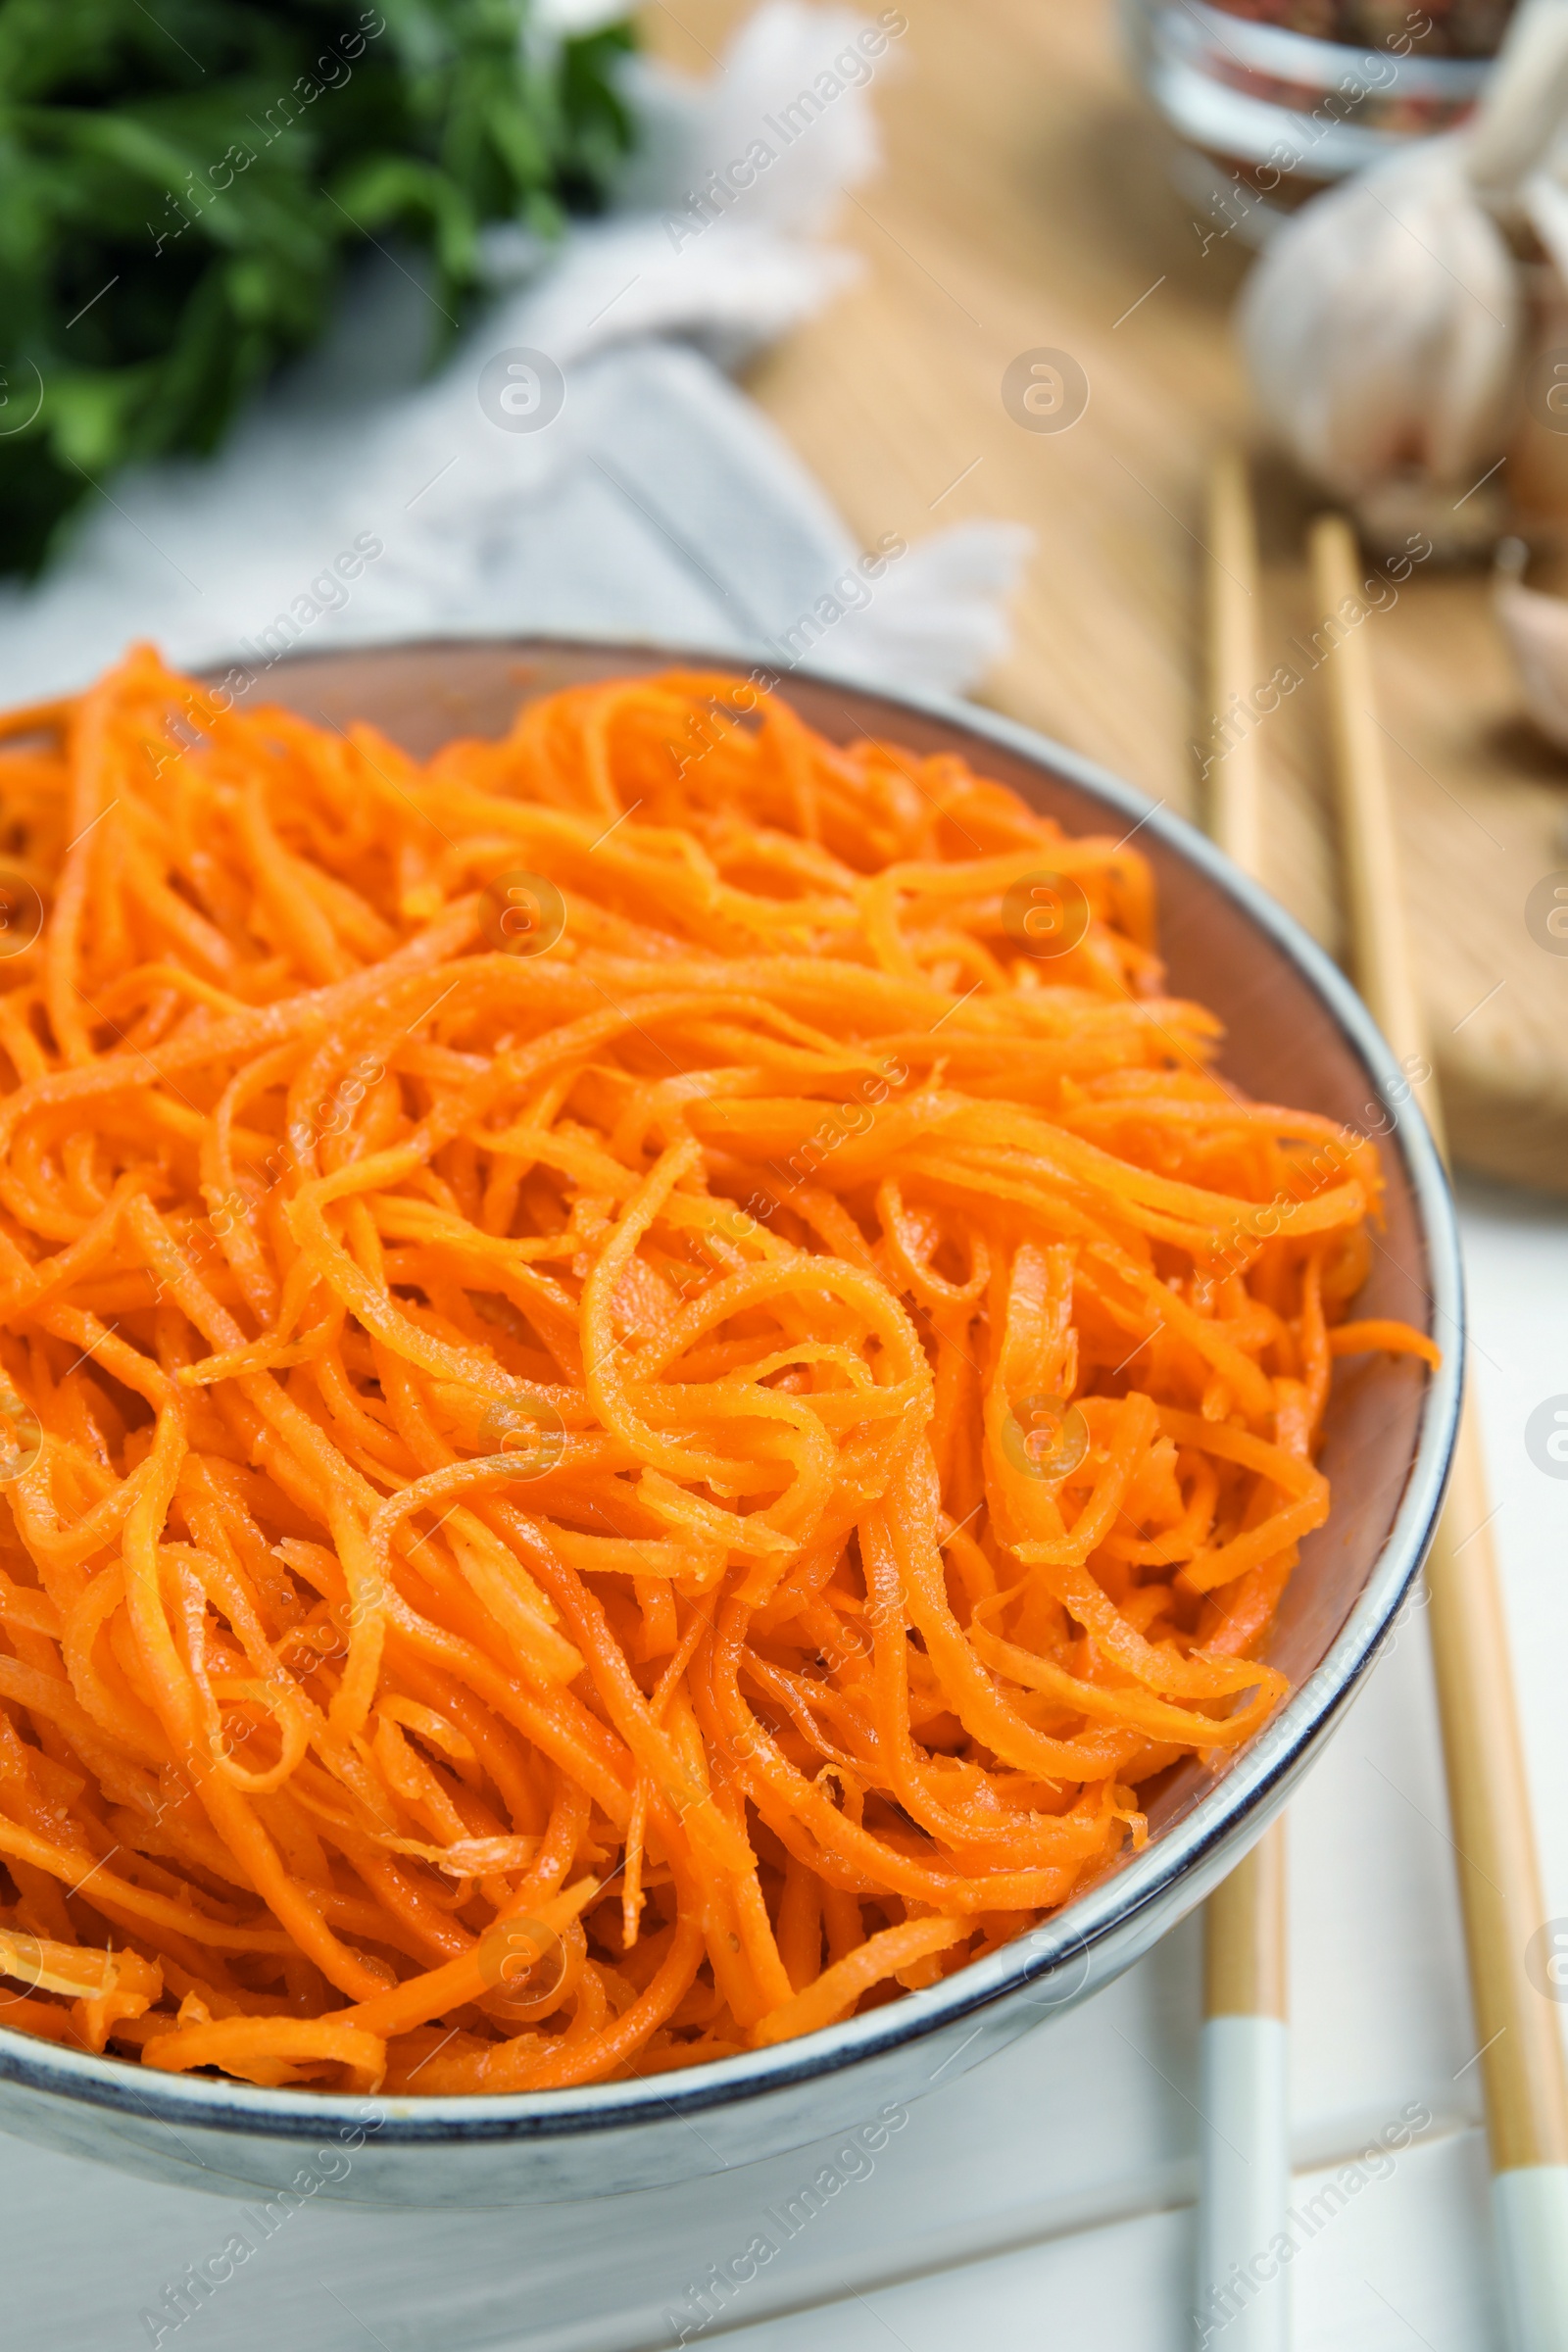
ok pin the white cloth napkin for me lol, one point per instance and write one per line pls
(659, 503)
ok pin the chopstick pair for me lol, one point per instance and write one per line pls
(1244, 2157)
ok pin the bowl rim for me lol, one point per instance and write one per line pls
(1220, 1823)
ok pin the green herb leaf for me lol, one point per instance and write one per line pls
(179, 193)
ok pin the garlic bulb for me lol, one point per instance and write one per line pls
(1384, 325)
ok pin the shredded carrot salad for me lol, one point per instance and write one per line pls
(645, 1378)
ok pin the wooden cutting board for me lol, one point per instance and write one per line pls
(1025, 205)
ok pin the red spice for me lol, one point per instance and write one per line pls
(1438, 29)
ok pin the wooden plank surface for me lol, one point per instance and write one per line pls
(1024, 204)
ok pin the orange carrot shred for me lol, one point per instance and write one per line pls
(1389, 1338)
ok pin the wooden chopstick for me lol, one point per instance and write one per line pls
(1520, 2049)
(1245, 2160)
(1246, 1971)
(1234, 811)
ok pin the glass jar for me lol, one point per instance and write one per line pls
(1274, 99)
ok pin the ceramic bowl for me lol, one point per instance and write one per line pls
(1295, 1033)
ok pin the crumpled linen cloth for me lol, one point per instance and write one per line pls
(658, 504)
